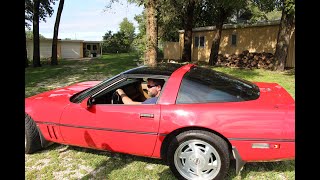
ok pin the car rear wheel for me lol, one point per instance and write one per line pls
(198, 154)
(32, 141)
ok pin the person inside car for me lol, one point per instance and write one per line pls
(154, 90)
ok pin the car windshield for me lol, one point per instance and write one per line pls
(78, 97)
(88, 92)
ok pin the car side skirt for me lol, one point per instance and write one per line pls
(255, 150)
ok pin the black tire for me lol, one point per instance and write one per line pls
(32, 137)
(186, 155)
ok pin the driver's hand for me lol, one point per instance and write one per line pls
(120, 92)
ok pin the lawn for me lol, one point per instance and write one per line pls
(68, 162)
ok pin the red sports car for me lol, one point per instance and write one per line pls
(201, 121)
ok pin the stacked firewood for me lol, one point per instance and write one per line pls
(247, 60)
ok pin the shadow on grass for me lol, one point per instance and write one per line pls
(166, 175)
(290, 72)
(118, 161)
(261, 167)
(115, 161)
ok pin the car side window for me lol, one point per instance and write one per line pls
(202, 85)
(130, 86)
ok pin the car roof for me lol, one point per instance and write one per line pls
(165, 69)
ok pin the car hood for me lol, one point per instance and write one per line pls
(48, 106)
(64, 93)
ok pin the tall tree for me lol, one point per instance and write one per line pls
(285, 31)
(286, 27)
(36, 10)
(26, 60)
(45, 10)
(188, 25)
(152, 35)
(36, 40)
(28, 18)
(222, 9)
(179, 14)
(54, 58)
(29, 35)
(151, 7)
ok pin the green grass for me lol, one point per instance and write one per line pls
(286, 79)
(68, 162)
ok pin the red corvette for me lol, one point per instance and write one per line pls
(201, 121)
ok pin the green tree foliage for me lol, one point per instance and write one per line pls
(29, 35)
(151, 7)
(113, 43)
(139, 43)
(45, 10)
(120, 42)
(169, 21)
(261, 13)
(182, 13)
(127, 28)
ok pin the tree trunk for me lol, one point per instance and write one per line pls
(216, 40)
(186, 55)
(146, 52)
(152, 33)
(26, 64)
(217, 37)
(36, 39)
(54, 56)
(285, 31)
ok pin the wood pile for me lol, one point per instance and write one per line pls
(247, 60)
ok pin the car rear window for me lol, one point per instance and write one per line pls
(203, 85)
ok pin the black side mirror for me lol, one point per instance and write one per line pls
(87, 102)
(90, 102)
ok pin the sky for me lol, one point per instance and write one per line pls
(87, 20)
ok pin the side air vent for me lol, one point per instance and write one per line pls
(52, 132)
(49, 132)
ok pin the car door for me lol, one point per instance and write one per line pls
(122, 128)
(117, 127)
(127, 128)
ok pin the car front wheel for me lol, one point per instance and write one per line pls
(198, 154)
(32, 141)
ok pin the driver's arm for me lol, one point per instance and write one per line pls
(125, 98)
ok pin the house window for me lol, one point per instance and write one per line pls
(233, 39)
(94, 47)
(88, 47)
(199, 41)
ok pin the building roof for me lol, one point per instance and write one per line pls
(233, 26)
(92, 41)
(66, 40)
(69, 40)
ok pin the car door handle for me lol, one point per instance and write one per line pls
(146, 115)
